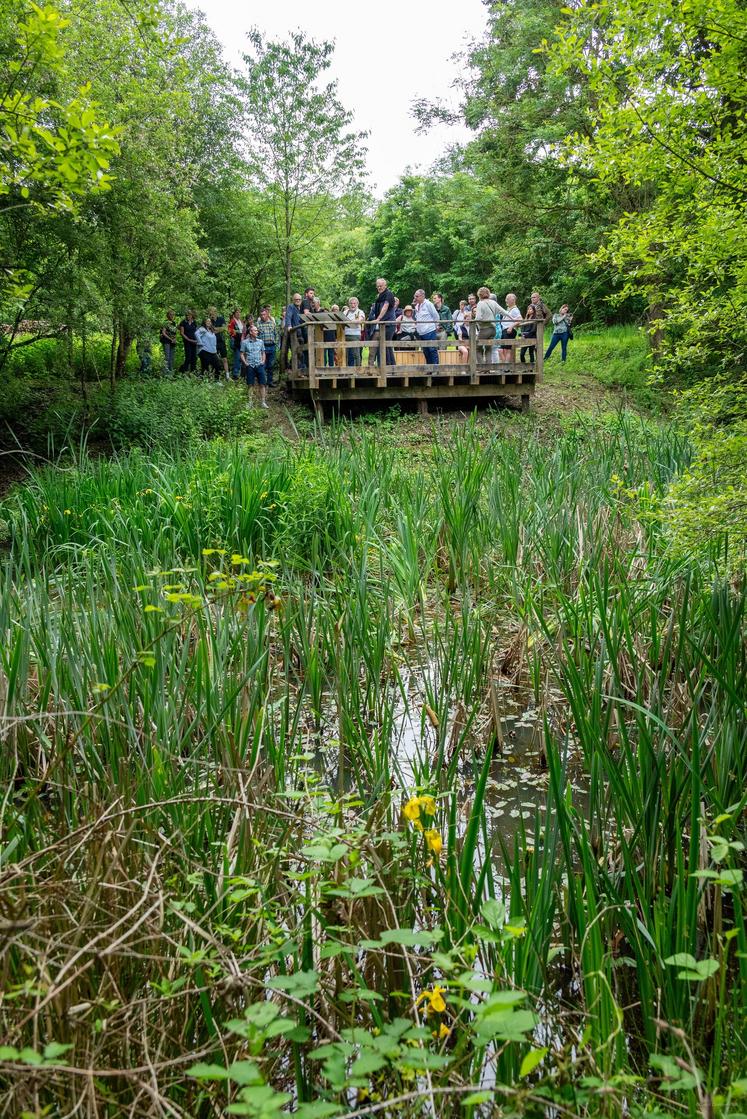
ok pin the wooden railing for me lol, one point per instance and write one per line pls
(308, 357)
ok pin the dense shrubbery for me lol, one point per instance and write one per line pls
(169, 413)
(36, 412)
(706, 507)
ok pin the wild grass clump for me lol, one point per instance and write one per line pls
(254, 717)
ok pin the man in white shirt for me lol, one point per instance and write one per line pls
(355, 317)
(511, 315)
(428, 321)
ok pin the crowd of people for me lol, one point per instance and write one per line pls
(247, 347)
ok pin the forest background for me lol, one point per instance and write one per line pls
(604, 165)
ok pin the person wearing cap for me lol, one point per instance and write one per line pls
(406, 325)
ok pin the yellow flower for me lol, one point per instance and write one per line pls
(443, 1031)
(411, 810)
(67, 512)
(435, 1000)
(434, 841)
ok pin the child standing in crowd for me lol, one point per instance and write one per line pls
(253, 362)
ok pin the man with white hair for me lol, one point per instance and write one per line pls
(428, 322)
(384, 314)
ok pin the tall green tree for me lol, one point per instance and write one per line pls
(669, 121)
(300, 147)
(545, 217)
(56, 147)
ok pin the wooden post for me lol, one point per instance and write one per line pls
(294, 351)
(539, 360)
(312, 356)
(382, 356)
(473, 352)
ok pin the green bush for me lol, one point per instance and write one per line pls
(706, 508)
(174, 412)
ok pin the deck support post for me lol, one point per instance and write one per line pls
(525, 402)
(473, 353)
(381, 383)
(312, 356)
(422, 407)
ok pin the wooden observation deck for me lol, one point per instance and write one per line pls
(472, 371)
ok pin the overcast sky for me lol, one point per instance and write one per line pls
(386, 56)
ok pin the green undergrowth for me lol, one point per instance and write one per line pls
(231, 885)
(152, 412)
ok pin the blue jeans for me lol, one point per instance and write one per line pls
(329, 357)
(389, 334)
(169, 350)
(236, 366)
(563, 339)
(269, 361)
(430, 353)
(353, 356)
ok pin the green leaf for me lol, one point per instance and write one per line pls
(302, 984)
(411, 938)
(54, 1050)
(203, 1071)
(244, 1072)
(693, 970)
(493, 913)
(531, 1059)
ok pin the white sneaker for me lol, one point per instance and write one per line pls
(263, 404)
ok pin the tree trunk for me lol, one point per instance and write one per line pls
(655, 318)
(124, 342)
